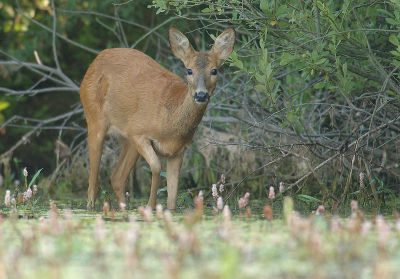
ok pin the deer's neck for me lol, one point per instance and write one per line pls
(187, 116)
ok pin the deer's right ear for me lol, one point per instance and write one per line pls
(180, 45)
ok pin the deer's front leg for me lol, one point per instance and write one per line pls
(144, 147)
(173, 169)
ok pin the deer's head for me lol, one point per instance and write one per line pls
(202, 67)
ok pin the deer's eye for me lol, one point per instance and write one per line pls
(190, 72)
(214, 72)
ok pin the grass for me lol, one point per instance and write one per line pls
(75, 243)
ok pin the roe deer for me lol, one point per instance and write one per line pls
(153, 111)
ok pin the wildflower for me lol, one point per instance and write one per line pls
(132, 234)
(146, 213)
(281, 187)
(271, 194)
(248, 212)
(7, 198)
(106, 207)
(16, 194)
(214, 191)
(159, 211)
(382, 228)
(123, 208)
(25, 197)
(34, 189)
(198, 202)
(29, 193)
(242, 203)
(223, 178)
(221, 188)
(320, 210)
(365, 227)
(25, 172)
(13, 202)
(220, 203)
(268, 212)
(128, 197)
(354, 206)
(336, 225)
(99, 231)
(168, 218)
(246, 197)
(226, 214)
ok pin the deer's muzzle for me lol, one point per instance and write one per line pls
(201, 97)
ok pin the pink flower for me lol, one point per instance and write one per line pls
(320, 210)
(271, 194)
(214, 191)
(25, 198)
(281, 187)
(223, 178)
(226, 214)
(220, 203)
(25, 172)
(198, 202)
(244, 201)
(159, 211)
(106, 207)
(221, 188)
(246, 197)
(34, 189)
(146, 213)
(354, 205)
(7, 198)
(123, 208)
(168, 218)
(29, 193)
(99, 230)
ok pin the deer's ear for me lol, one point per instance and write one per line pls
(180, 45)
(223, 45)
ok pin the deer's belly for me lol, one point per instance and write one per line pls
(169, 148)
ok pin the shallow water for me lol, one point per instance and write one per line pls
(77, 243)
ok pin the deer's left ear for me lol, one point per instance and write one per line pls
(223, 45)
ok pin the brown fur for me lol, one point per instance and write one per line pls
(152, 110)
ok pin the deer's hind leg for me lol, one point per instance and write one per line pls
(127, 159)
(97, 131)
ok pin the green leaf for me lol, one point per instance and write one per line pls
(307, 198)
(238, 64)
(264, 6)
(281, 10)
(4, 105)
(321, 61)
(162, 190)
(260, 87)
(163, 174)
(260, 78)
(314, 56)
(392, 21)
(345, 69)
(384, 12)
(393, 39)
(269, 70)
(34, 177)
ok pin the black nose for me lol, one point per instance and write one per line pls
(201, 97)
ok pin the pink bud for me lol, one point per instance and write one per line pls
(220, 203)
(271, 194)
